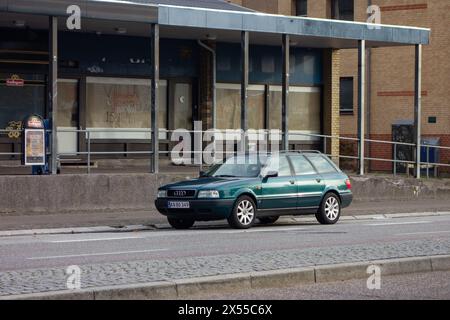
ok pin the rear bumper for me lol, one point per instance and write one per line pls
(346, 199)
(211, 209)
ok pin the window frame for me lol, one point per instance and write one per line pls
(337, 14)
(300, 3)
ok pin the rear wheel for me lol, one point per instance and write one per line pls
(268, 220)
(181, 224)
(330, 209)
(244, 213)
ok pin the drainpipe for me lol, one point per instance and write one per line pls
(213, 111)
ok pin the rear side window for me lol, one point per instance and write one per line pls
(301, 165)
(322, 165)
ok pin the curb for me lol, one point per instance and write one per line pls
(187, 288)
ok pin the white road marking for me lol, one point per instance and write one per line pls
(95, 254)
(89, 240)
(424, 232)
(396, 223)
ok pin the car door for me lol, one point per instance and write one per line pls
(310, 184)
(279, 192)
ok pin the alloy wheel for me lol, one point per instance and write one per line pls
(245, 212)
(332, 208)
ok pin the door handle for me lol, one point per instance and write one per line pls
(292, 181)
(319, 180)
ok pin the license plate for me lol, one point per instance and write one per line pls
(178, 204)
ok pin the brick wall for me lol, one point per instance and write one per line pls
(332, 62)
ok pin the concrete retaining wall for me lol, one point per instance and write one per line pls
(99, 192)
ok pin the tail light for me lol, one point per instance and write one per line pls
(348, 184)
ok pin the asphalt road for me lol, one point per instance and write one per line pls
(38, 263)
(24, 252)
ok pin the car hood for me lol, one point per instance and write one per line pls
(210, 182)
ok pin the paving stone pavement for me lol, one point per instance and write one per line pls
(109, 274)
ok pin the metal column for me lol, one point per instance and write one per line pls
(154, 96)
(361, 101)
(52, 88)
(418, 105)
(285, 94)
(244, 87)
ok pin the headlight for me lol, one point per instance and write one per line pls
(208, 194)
(162, 193)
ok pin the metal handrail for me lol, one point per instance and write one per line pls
(238, 132)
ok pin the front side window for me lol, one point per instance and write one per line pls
(322, 165)
(280, 164)
(301, 165)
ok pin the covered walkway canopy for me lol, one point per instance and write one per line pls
(217, 19)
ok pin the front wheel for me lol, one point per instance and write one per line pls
(181, 224)
(330, 209)
(244, 213)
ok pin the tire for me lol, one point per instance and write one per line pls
(181, 224)
(244, 213)
(330, 209)
(268, 220)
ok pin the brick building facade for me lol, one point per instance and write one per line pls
(390, 72)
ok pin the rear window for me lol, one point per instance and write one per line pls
(322, 165)
(301, 165)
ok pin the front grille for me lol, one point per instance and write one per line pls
(181, 193)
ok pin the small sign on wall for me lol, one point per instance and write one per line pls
(15, 81)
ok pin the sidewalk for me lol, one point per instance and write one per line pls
(150, 218)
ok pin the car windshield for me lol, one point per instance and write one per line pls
(242, 167)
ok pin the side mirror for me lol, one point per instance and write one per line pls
(202, 174)
(271, 174)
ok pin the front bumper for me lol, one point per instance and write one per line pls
(200, 209)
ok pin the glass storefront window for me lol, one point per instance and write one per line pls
(304, 111)
(67, 116)
(256, 109)
(116, 105)
(229, 106)
(67, 112)
(16, 102)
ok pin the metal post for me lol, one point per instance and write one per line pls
(361, 101)
(154, 96)
(53, 89)
(428, 162)
(395, 159)
(418, 104)
(285, 93)
(89, 152)
(244, 87)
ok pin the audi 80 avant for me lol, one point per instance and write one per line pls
(242, 190)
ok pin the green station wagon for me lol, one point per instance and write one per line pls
(242, 190)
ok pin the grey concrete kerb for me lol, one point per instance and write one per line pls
(186, 288)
